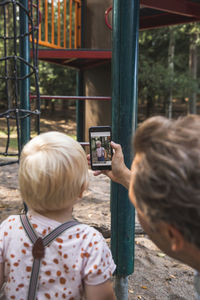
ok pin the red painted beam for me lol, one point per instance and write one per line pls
(75, 54)
(180, 7)
(161, 20)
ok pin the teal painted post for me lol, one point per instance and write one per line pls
(80, 105)
(80, 108)
(24, 70)
(124, 119)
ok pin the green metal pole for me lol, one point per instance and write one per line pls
(80, 107)
(124, 119)
(24, 71)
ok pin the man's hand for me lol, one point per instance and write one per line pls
(119, 173)
(103, 291)
(1, 274)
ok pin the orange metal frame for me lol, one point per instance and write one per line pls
(60, 26)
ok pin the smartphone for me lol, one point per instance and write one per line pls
(100, 148)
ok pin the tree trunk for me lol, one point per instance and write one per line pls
(10, 83)
(65, 104)
(193, 61)
(171, 51)
(150, 106)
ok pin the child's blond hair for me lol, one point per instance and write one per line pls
(53, 172)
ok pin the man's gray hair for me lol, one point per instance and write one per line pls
(167, 180)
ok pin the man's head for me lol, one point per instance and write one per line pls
(165, 185)
(53, 172)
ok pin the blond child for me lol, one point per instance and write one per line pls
(53, 175)
(100, 151)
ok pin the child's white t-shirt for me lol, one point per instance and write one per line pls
(79, 255)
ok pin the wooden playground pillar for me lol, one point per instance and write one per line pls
(80, 108)
(97, 79)
(97, 82)
(96, 34)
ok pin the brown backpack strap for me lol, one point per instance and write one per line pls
(38, 250)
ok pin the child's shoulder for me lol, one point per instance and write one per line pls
(9, 225)
(10, 219)
(88, 231)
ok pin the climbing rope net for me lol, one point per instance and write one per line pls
(19, 26)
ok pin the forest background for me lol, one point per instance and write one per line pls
(168, 75)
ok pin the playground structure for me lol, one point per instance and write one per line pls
(67, 35)
(17, 69)
(87, 34)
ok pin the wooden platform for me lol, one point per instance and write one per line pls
(79, 59)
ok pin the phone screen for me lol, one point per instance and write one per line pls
(100, 148)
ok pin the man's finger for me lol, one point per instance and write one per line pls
(115, 146)
(88, 159)
(96, 173)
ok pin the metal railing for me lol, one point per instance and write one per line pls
(60, 24)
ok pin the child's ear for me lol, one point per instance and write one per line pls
(83, 188)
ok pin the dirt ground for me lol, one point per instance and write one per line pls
(156, 276)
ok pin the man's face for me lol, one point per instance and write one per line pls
(156, 231)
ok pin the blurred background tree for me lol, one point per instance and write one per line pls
(56, 80)
(168, 75)
(169, 71)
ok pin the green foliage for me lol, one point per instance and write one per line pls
(56, 80)
(153, 78)
(156, 79)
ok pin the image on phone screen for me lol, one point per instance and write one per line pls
(101, 151)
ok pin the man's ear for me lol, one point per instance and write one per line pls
(176, 238)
